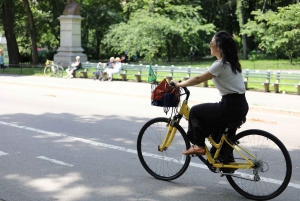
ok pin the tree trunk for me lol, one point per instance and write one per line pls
(32, 32)
(291, 58)
(8, 23)
(241, 13)
(244, 40)
(168, 51)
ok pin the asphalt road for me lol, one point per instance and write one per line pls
(75, 139)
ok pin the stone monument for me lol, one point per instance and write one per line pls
(70, 35)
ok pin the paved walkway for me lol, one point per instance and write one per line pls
(272, 102)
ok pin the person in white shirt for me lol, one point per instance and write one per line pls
(75, 66)
(226, 73)
(117, 67)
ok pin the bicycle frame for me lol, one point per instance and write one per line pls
(235, 165)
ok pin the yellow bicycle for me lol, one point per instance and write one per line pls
(52, 69)
(259, 169)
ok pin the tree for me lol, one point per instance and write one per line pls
(8, 24)
(242, 19)
(156, 28)
(277, 32)
(32, 32)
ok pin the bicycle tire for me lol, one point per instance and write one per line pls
(60, 71)
(48, 71)
(272, 162)
(169, 164)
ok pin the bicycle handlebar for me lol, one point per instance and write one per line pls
(187, 92)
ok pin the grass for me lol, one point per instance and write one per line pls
(274, 65)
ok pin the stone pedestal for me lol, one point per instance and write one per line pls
(70, 40)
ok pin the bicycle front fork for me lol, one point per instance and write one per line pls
(170, 133)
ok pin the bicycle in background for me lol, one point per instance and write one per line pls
(52, 69)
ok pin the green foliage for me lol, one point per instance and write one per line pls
(277, 32)
(98, 16)
(160, 29)
(153, 29)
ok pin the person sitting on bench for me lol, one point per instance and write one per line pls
(75, 66)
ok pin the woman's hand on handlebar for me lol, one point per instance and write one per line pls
(174, 83)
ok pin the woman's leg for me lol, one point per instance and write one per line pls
(201, 125)
(112, 71)
(203, 121)
(109, 74)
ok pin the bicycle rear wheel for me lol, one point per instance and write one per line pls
(48, 71)
(272, 164)
(59, 71)
(170, 163)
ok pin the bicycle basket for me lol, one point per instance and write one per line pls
(164, 95)
(47, 62)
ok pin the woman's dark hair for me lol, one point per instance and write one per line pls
(228, 50)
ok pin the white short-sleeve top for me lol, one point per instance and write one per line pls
(226, 81)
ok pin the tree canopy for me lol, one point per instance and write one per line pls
(157, 29)
(277, 32)
(152, 29)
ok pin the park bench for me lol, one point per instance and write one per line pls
(134, 70)
(287, 78)
(83, 71)
(262, 77)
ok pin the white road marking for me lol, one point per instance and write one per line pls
(54, 161)
(3, 153)
(120, 149)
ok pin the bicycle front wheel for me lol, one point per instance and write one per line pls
(273, 167)
(170, 163)
(60, 71)
(48, 71)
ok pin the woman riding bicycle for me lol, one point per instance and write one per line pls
(226, 73)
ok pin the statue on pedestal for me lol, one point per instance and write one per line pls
(70, 35)
(72, 8)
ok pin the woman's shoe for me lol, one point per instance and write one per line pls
(195, 150)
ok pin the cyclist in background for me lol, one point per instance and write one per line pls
(226, 74)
